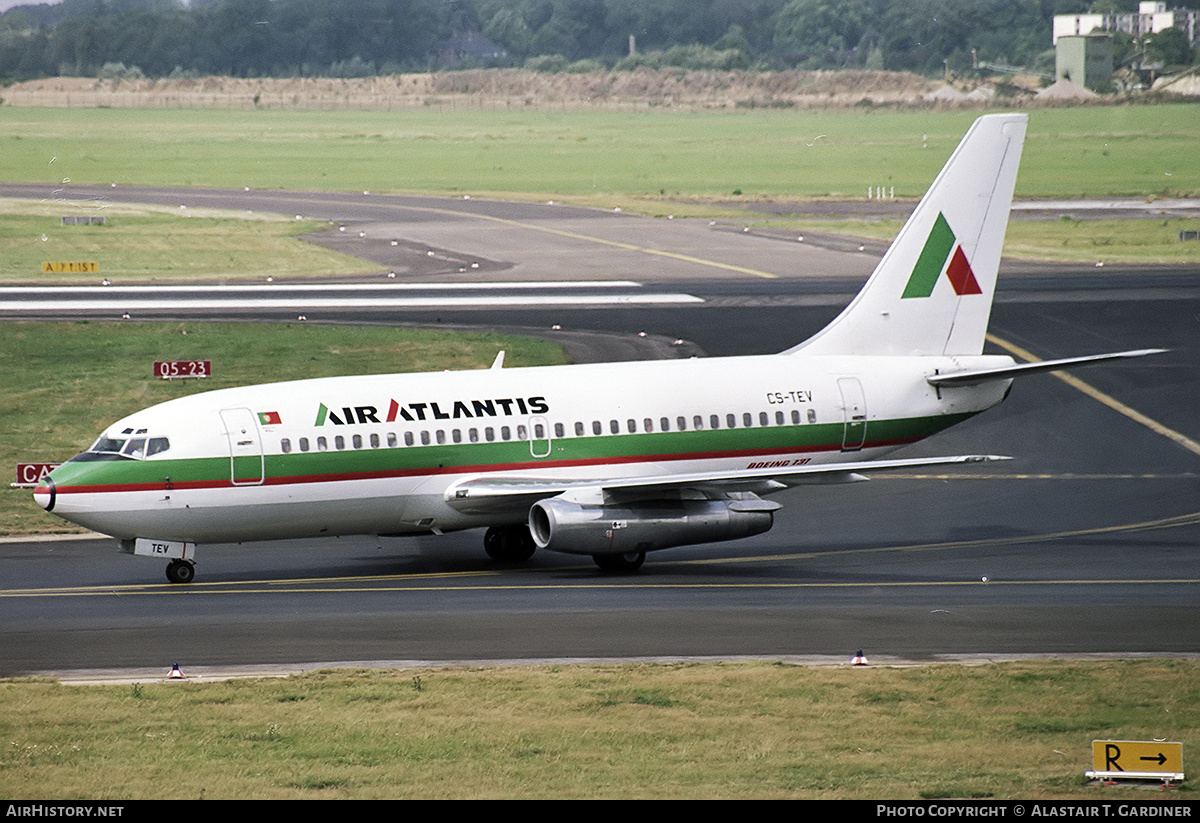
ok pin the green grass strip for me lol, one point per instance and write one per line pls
(1019, 730)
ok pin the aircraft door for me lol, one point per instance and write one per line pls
(539, 437)
(245, 447)
(854, 405)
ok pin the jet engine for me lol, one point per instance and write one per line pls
(562, 525)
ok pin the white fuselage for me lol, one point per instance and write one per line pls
(377, 454)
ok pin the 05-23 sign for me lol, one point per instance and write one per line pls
(169, 369)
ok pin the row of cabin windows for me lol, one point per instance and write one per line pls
(631, 426)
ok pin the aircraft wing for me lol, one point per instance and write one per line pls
(501, 491)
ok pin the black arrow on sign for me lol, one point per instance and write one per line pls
(1162, 758)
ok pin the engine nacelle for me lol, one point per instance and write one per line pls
(564, 526)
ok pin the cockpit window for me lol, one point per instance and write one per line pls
(108, 444)
(137, 448)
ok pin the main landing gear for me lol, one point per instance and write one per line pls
(181, 571)
(514, 544)
(620, 563)
(509, 544)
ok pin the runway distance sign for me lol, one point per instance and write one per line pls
(71, 267)
(169, 369)
(1137, 759)
(30, 474)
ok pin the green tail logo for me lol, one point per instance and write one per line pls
(933, 257)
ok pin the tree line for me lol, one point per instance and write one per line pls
(261, 38)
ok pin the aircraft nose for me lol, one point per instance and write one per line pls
(44, 494)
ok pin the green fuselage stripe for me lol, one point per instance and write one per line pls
(319, 466)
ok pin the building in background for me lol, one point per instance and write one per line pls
(1150, 18)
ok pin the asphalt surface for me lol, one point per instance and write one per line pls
(1086, 543)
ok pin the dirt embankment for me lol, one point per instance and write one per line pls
(492, 88)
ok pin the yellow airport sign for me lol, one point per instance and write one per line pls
(71, 267)
(1137, 759)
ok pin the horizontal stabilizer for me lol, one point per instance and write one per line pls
(975, 376)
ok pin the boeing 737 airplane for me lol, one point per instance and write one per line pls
(608, 460)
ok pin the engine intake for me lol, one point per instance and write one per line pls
(564, 526)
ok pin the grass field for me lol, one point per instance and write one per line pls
(62, 383)
(712, 731)
(1080, 151)
(147, 243)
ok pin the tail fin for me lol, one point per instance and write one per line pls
(932, 292)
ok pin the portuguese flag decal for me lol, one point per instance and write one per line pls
(942, 245)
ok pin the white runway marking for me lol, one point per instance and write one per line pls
(332, 296)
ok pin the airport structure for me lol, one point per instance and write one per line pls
(1084, 59)
(1150, 18)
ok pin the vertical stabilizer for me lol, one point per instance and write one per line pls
(932, 292)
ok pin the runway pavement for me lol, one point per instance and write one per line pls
(1085, 544)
